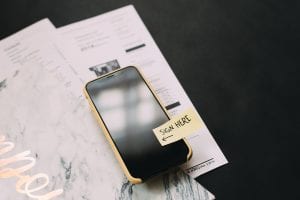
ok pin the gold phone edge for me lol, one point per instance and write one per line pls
(132, 179)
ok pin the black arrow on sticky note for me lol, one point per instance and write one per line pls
(165, 138)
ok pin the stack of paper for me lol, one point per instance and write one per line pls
(43, 70)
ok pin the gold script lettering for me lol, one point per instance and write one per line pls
(24, 181)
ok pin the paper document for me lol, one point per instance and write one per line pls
(119, 38)
(35, 45)
(41, 113)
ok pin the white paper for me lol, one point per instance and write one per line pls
(118, 39)
(37, 44)
(41, 112)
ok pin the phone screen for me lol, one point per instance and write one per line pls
(130, 111)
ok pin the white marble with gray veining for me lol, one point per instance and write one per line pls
(38, 114)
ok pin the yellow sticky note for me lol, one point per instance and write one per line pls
(178, 127)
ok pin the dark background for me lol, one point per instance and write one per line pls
(237, 60)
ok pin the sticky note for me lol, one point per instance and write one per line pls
(178, 127)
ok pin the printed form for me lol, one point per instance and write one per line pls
(119, 38)
(36, 44)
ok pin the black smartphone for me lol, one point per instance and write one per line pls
(127, 110)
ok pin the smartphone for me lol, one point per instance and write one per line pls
(127, 110)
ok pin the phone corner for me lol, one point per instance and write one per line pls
(190, 150)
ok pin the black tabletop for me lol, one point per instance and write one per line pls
(237, 60)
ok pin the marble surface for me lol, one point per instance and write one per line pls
(39, 115)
